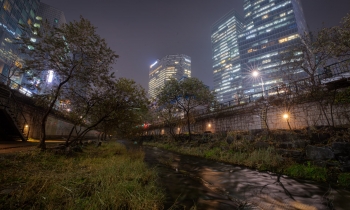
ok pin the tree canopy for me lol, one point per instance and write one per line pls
(186, 96)
(79, 62)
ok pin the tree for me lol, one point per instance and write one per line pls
(185, 95)
(307, 55)
(14, 69)
(337, 39)
(118, 109)
(72, 55)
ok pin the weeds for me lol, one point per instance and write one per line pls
(263, 159)
(307, 171)
(344, 179)
(108, 177)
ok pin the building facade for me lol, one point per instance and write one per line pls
(226, 57)
(50, 14)
(170, 66)
(271, 27)
(55, 18)
(12, 14)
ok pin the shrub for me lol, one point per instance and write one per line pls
(308, 171)
(344, 179)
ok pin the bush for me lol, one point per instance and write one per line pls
(308, 171)
(344, 179)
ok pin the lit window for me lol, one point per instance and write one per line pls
(30, 47)
(50, 76)
(7, 6)
(283, 40)
(38, 18)
(56, 20)
(37, 25)
(283, 14)
(264, 17)
(33, 39)
(251, 50)
(266, 61)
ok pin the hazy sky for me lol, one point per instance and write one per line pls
(142, 31)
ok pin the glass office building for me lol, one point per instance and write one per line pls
(55, 18)
(226, 57)
(50, 14)
(171, 66)
(271, 27)
(13, 13)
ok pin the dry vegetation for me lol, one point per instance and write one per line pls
(108, 177)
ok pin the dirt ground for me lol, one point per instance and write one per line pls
(7, 147)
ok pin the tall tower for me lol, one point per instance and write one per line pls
(170, 66)
(226, 57)
(271, 27)
(55, 18)
(13, 13)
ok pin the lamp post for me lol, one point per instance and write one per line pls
(256, 74)
(286, 117)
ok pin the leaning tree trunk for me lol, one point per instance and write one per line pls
(70, 134)
(188, 125)
(42, 144)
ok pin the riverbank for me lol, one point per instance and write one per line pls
(281, 152)
(105, 177)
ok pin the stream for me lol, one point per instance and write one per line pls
(198, 183)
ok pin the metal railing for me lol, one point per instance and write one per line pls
(15, 86)
(331, 73)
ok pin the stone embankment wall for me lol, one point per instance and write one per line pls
(255, 116)
(56, 127)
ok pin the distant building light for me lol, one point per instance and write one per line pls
(154, 64)
(50, 76)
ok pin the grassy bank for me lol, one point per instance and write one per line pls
(108, 177)
(240, 153)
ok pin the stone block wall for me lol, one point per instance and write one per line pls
(253, 117)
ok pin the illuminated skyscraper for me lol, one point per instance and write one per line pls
(53, 17)
(225, 52)
(13, 13)
(170, 66)
(271, 27)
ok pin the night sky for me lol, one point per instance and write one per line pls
(142, 31)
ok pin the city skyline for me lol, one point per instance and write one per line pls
(141, 32)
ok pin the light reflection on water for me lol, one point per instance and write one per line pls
(196, 182)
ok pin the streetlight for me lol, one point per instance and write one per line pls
(256, 74)
(286, 117)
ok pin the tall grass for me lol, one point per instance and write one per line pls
(262, 159)
(108, 177)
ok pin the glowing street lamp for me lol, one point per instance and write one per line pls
(286, 117)
(256, 74)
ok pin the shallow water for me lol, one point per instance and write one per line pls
(196, 182)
